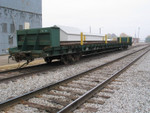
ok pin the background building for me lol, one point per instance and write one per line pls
(135, 40)
(17, 15)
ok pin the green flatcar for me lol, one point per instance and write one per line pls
(47, 43)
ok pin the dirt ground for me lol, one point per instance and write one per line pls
(4, 60)
(4, 65)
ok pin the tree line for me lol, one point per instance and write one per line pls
(147, 39)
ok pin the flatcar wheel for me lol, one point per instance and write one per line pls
(48, 60)
(64, 60)
(71, 59)
(125, 48)
(77, 57)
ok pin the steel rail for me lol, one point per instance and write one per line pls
(76, 103)
(19, 69)
(35, 66)
(16, 100)
(24, 74)
(28, 73)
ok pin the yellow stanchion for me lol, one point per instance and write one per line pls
(120, 40)
(84, 37)
(105, 39)
(81, 38)
(128, 40)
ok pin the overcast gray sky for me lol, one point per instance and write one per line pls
(113, 16)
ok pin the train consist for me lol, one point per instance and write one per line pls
(64, 43)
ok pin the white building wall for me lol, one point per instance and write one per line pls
(17, 12)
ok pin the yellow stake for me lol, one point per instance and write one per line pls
(120, 40)
(105, 39)
(81, 38)
(114, 39)
(128, 40)
(84, 37)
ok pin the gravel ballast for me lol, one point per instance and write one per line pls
(133, 95)
(20, 86)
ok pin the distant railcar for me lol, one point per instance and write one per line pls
(58, 43)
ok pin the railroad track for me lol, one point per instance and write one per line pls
(27, 71)
(10, 75)
(66, 95)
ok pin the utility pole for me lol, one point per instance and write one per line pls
(90, 29)
(100, 30)
(138, 32)
(135, 33)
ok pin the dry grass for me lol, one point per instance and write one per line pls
(16, 65)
